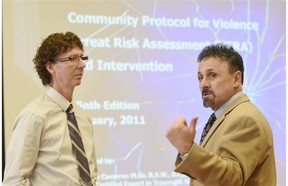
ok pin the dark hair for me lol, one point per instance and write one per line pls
(225, 53)
(51, 47)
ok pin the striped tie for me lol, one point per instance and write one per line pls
(78, 147)
(208, 126)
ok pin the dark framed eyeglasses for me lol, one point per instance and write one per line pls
(72, 59)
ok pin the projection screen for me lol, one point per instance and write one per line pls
(142, 72)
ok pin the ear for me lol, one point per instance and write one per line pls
(49, 66)
(237, 78)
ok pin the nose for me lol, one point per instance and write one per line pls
(204, 83)
(81, 64)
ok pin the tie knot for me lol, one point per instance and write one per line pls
(69, 109)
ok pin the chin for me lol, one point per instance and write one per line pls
(77, 83)
(208, 104)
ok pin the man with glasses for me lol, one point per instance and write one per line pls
(50, 145)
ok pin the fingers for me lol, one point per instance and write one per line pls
(180, 121)
(193, 122)
(180, 135)
(175, 124)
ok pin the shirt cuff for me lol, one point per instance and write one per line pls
(184, 156)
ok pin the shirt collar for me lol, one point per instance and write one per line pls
(220, 110)
(60, 100)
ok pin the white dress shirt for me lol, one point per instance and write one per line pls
(40, 150)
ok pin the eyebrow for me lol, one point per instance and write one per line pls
(208, 70)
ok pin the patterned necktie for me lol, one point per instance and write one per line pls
(207, 127)
(78, 147)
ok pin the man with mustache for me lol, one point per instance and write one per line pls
(236, 148)
(41, 151)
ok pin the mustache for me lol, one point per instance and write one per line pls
(206, 91)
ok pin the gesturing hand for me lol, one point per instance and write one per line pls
(182, 136)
